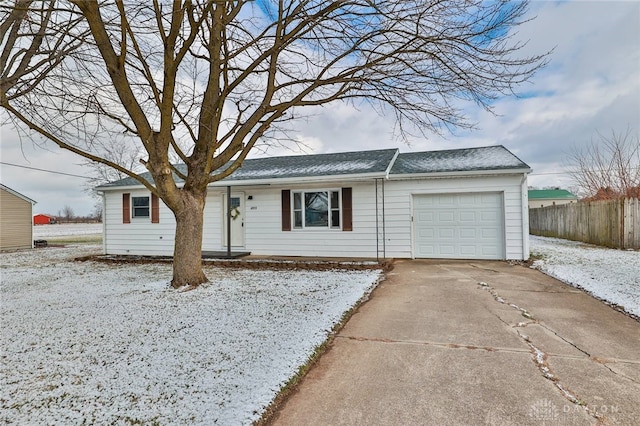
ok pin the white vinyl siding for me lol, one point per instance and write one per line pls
(140, 237)
(263, 220)
(263, 225)
(399, 194)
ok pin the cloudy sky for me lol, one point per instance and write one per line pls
(591, 85)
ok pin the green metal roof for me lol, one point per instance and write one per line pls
(546, 194)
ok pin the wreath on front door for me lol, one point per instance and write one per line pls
(235, 212)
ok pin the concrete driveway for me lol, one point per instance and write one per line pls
(452, 343)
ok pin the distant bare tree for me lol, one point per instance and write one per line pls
(67, 213)
(205, 81)
(608, 167)
(97, 211)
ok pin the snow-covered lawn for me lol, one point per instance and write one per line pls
(98, 343)
(65, 229)
(609, 274)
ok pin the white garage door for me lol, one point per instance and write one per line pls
(458, 226)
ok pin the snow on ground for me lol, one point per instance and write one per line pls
(609, 274)
(66, 229)
(99, 343)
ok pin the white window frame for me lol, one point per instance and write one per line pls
(330, 209)
(133, 207)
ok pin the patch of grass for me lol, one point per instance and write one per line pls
(536, 256)
(76, 239)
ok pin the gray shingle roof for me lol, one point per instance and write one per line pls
(318, 165)
(457, 160)
(293, 166)
(374, 162)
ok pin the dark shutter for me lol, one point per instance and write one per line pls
(286, 210)
(155, 209)
(126, 208)
(347, 210)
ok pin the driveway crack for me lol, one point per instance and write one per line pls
(565, 340)
(540, 357)
(449, 345)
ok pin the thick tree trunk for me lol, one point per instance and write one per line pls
(187, 254)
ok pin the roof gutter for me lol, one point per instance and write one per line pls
(272, 181)
(459, 173)
(299, 179)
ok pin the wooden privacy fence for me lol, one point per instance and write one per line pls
(610, 223)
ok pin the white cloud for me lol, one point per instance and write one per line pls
(51, 191)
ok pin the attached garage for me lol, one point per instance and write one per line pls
(459, 226)
(459, 204)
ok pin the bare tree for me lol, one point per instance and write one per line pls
(608, 167)
(203, 82)
(67, 213)
(97, 212)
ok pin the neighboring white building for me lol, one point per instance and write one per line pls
(465, 204)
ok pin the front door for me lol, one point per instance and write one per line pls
(237, 220)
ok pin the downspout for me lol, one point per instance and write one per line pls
(228, 222)
(384, 225)
(375, 189)
(525, 216)
(104, 221)
(384, 217)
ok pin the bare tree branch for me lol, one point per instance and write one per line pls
(608, 167)
(204, 82)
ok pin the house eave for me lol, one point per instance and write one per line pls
(121, 188)
(270, 181)
(299, 180)
(464, 173)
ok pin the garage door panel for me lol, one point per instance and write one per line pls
(429, 251)
(489, 216)
(489, 234)
(427, 233)
(489, 252)
(445, 217)
(468, 250)
(445, 233)
(445, 250)
(468, 216)
(425, 202)
(463, 226)
(426, 217)
(468, 233)
(445, 201)
(488, 199)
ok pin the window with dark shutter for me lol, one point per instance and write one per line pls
(155, 209)
(286, 210)
(126, 208)
(347, 210)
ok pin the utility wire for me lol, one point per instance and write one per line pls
(44, 170)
